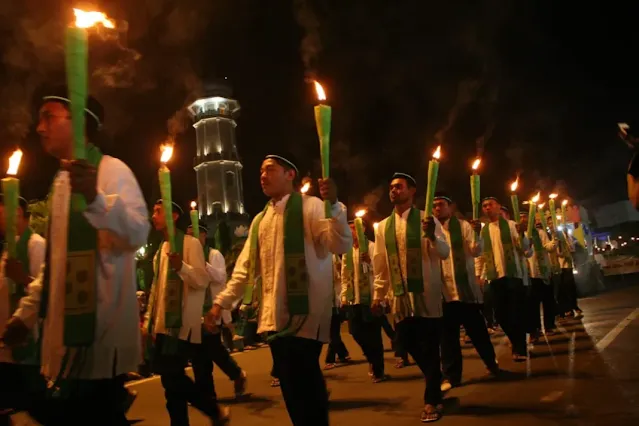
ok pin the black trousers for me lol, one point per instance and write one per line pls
(540, 292)
(22, 388)
(510, 310)
(420, 337)
(488, 307)
(336, 346)
(367, 332)
(179, 389)
(296, 361)
(567, 293)
(212, 351)
(469, 315)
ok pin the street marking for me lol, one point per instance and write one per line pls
(612, 334)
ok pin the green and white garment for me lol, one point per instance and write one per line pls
(458, 252)
(540, 254)
(208, 296)
(508, 249)
(363, 277)
(564, 249)
(297, 279)
(413, 283)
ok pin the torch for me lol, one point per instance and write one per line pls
(564, 205)
(164, 176)
(531, 213)
(474, 188)
(553, 210)
(305, 188)
(514, 199)
(323, 123)
(11, 191)
(359, 230)
(375, 226)
(77, 57)
(433, 171)
(195, 219)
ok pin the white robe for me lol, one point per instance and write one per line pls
(37, 247)
(563, 261)
(322, 237)
(533, 263)
(120, 215)
(356, 262)
(195, 278)
(519, 245)
(432, 254)
(216, 268)
(472, 248)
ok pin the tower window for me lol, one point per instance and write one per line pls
(230, 179)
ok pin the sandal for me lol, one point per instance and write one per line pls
(330, 366)
(431, 413)
(400, 363)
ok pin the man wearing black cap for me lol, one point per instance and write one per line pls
(290, 247)
(408, 271)
(174, 321)
(462, 294)
(502, 267)
(22, 387)
(214, 351)
(87, 291)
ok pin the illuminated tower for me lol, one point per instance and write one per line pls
(217, 164)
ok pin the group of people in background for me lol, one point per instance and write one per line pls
(70, 321)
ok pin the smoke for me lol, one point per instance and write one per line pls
(311, 44)
(466, 91)
(179, 121)
(372, 199)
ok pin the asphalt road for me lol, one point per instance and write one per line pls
(586, 375)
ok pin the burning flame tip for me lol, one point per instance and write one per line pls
(552, 196)
(438, 152)
(564, 203)
(167, 153)
(305, 188)
(514, 185)
(360, 213)
(14, 162)
(476, 163)
(84, 19)
(535, 199)
(321, 94)
(193, 205)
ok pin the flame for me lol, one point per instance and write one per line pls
(321, 94)
(552, 196)
(167, 153)
(375, 226)
(541, 206)
(14, 162)
(535, 199)
(360, 213)
(514, 185)
(85, 19)
(564, 203)
(438, 153)
(476, 163)
(193, 205)
(304, 189)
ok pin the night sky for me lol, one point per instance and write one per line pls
(538, 86)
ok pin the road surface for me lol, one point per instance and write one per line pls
(588, 374)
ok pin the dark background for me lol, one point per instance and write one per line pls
(536, 87)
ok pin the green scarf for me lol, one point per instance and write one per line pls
(297, 281)
(208, 297)
(509, 251)
(80, 308)
(363, 283)
(565, 249)
(462, 281)
(415, 279)
(555, 268)
(539, 253)
(30, 349)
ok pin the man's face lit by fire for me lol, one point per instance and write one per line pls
(441, 210)
(400, 193)
(491, 209)
(275, 179)
(55, 129)
(159, 218)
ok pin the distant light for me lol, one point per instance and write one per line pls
(620, 237)
(560, 228)
(570, 232)
(575, 272)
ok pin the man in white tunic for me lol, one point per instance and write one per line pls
(211, 337)
(290, 245)
(22, 387)
(86, 292)
(462, 294)
(174, 322)
(408, 271)
(501, 265)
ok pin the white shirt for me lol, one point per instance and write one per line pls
(533, 263)
(519, 246)
(36, 247)
(322, 237)
(195, 278)
(365, 266)
(472, 248)
(432, 254)
(216, 268)
(563, 261)
(120, 215)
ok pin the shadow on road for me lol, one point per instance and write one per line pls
(377, 404)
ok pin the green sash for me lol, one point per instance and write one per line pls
(415, 279)
(297, 281)
(208, 297)
(565, 249)
(539, 253)
(80, 307)
(363, 282)
(509, 251)
(29, 350)
(555, 268)
(462, 281)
